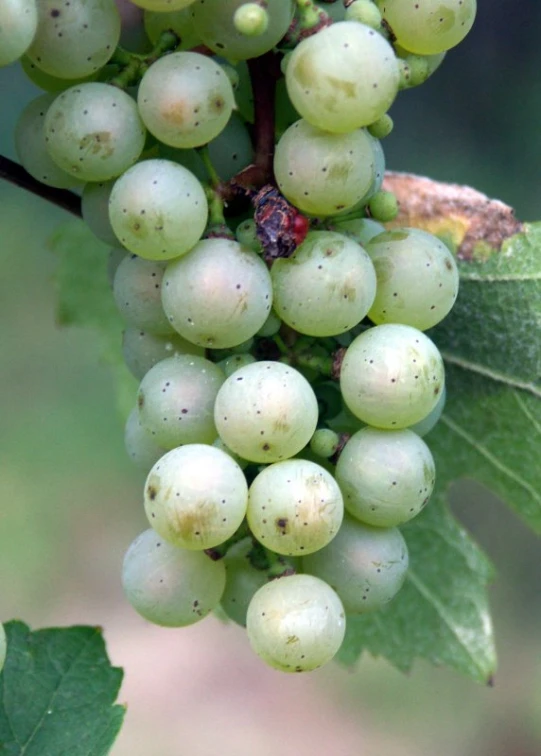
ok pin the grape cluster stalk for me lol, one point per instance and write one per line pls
(230, 154)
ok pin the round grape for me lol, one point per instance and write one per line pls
(180, 22)
(158, 210)
(296, 623)
(266, 412)
(326, 287)
(95, 210)
(137, 293)
(294, 507)
(185, 99)
(93, 131)
(342, 78)
(140, 445)
(242, 581)
(176, 399)
(251, 19)
(196, 496)
(323, 173)
(417, 278)
(218, 295)
(386, 477)
(169, 586)
(18, 24)
(142, 350)
(391, 376)
(366, 566)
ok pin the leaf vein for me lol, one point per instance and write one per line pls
(492, 374)
(527, 412)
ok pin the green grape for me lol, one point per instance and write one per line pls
(196, 496)
(158, 209)
(46, 81)
(383, 206)
(424, 426)
(382, 127)
(75, 39)
(93, 131)
(296, 623)
(242, 581)
(232, 150)
(428, 27)
(164, 6)
(18, 24)
(266, 412)
(323, 173)
(334, 9)
(342, 78)
(95, 210)
(294, 507)
(140, 445)
(432, 63)
(176, 399)
(246, 235)
(361, 230)
(286, 115)
(231, 364)
(3, 646)
(185, 99)
(31, 147)
(326, 287)
(366, 566)
(251, 19)
(142, 350)
(386, 476)
(414, 70)
(180, 22)
(324, 442)
(214, 22)
(391, 376)
(365, 12)
(218, 295)
(189, 159)
(137, 291)
(379, 166)
(417, 278)
(169, 586)
(271, 326)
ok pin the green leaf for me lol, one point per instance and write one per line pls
(57, 693)
(490, 431)
(85, 299)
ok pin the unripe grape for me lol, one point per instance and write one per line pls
(324, 442)
(251, 19)
(140, 445)
(242, 581)
(383, 206)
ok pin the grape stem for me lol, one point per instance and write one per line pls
(15, 174)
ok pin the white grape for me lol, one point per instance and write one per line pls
(323, 173)
(74, 39)
(294, 507)
(139, 443)
(242, 581)
(296, 623)
(185, 99)
(137, 292)
(169, 586)
(386, 476)
(176, 400)
(366, 566)
(93, 131)
(196, 496)
(417, 278)
(326, 287)
(18, 24)
(95, 210)
(342, 78)
(218, 295)
(391, 376)
(266, 412)
(158, 210)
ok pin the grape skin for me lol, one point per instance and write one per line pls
(196, 496)
(169, 586)
(266, 412)
(137, 293)
(95, 210)
(366, 566)
(18, 24)
(296, 623)
(386, 476)
(242, 581)
(294, 507)
(141, 447)
(391, 376)
(142, 350)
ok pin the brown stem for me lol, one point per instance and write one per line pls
(16, 174)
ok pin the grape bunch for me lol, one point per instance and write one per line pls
(230, 154)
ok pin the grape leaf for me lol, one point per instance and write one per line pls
(84, 298)
(57, 693)
(490, 431)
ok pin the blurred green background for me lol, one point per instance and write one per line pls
(71, 502)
